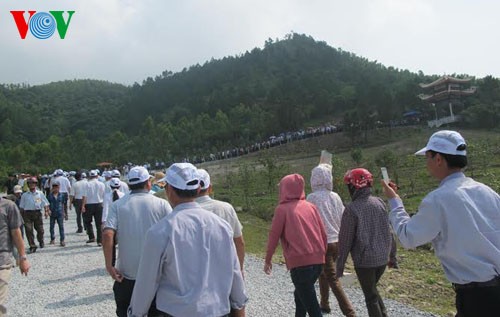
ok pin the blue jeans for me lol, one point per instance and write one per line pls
(304, 278)
(60, 224)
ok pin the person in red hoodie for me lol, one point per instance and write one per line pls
(297, 223)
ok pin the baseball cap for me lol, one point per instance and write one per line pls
(204, 179)
(115, 173)
(93, 173)
(55, 183)
(183, 176)
(18, 189)
(137, 174)
(114, 183)
(106, 174)
(446, 142)
(59, 172)
(84, 175)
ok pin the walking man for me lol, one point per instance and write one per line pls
(462, 220)
(223, 210)
(188, 259)
(76, 199)
(127, 221)
(93, 197)
(56, 212)
(10, 236)
(32, 203)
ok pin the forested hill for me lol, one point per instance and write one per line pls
(289, 84)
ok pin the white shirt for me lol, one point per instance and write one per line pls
(131, 217)
(94, 191)
(223, 210)
(189, 262)
(78, 189)
(64, 185)
(108, 200)
(462, 220)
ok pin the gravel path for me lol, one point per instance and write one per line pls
(72, 281)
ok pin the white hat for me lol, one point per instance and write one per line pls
(18, 189)
(446, 142)
(115, 173)
(55, 182)
(204, 178)
(137, 174)
(114, 183)
(84, 175)
(183, 176)
(106, 174)
(59, 172)
(72, 173)
(93, 173)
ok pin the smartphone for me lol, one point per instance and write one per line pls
(385, 175)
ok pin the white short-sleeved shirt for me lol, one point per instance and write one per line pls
(223, 210)
(94, 191)
(131, 216)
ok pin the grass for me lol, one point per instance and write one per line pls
(249, 183)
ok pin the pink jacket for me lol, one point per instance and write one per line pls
(298, 225)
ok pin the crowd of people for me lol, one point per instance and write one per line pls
(172, 250)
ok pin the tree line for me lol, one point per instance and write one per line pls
(287, 85)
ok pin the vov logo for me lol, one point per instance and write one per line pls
(42, 25)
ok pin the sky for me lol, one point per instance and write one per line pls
(126, 41)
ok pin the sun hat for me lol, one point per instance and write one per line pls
(137, 174)
(183, 176)
(446, 142)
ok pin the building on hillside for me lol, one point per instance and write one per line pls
(446, 91)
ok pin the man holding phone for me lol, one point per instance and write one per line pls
(462, 220)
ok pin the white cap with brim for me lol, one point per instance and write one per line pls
(115, 183)
(93, 173)
(137, 175)
(446, 142)
(204, 179)
(18, 189)
(183, 176)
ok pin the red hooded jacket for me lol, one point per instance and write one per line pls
(297, 223)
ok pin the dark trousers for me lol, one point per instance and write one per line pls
(328, 279)
(33, 219)
(304, 278)
(65, 202)
(123, 294)
(60, 224)
(77, 203)
(93, 211)
(368, 279)
(478, 301)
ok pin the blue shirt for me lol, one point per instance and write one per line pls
(56, 205)
(189, 262)
(462, 220)
(33, 201)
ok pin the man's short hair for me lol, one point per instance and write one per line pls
(187, 193)
(138, 186)
(453, 161)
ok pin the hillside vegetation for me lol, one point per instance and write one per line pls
(287, 85)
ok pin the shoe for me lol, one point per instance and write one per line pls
(52, 242)
(90, 240)
(42, 245)
(33, 249)
(79, 231)
(326, 310)
(63, 244)
(393, 265)
(99, 244)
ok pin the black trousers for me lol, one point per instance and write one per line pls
(368, 279)
(93, 211)
(478, 301)
(77, 203)
(123, 294)
(33, 220)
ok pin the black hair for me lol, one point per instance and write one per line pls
(78, 176)
(137, 186)
(115, 195)
(193, 193)
(453, 161)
